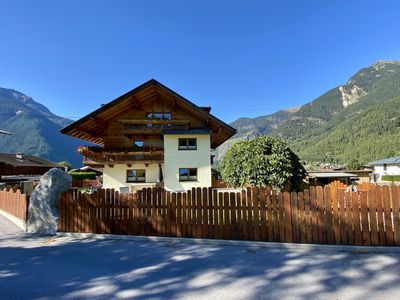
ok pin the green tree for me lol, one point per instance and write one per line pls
(354, 164)
(264, 161)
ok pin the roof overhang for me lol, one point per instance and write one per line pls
(330, 175)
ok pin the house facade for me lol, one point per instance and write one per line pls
(151, 136)
(387, 166)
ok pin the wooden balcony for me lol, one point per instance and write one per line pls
(98, 155)
(152, 126)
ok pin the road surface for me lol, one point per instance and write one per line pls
(73, 268)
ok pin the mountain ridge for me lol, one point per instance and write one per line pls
(35, 129)
(314, 120)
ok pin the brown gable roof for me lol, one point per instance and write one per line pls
(91, 127)
(21, 160)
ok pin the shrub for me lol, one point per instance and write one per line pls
(264, 161)
(83, 175)
(391, 177)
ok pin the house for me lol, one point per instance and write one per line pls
(15, 168)
(151, 136)
(386, 166)
(326, 177)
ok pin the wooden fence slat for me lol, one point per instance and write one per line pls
(396, 217)
(221, 225)
(366, 237)
(349, 219)
(263, 215)
(336, 218)
(239, 216)
(168, 230)
(233, 232)
(388, 216)
(195, 229)
(281, 218)
(256, 214)
(250, 223)
(294, 216)
(199, 225)
(344, 214)
(329, 215)
(215, 214)
(288, 218)
(321, 215)
(211, 221)
(373, 218)
(184, 216)
(205, 204)
(355, 200)
(226, 217)
(173, 215)
(275, 215)
(314, 215)
(244, 215)
(307, 216)
(190, 227)
(179, 214)
(302, 224)
(380, 215)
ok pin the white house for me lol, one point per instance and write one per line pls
(151, 136)
(386, 166)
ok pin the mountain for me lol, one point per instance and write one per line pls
(36, 131)
(357, 120)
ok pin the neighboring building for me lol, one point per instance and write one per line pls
(151, 136)
(363, 175)
(326, 177)
(387, 166)
(15, 168)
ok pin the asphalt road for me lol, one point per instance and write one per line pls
(68, 268)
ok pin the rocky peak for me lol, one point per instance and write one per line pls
(351, 94)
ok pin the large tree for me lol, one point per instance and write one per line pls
(264, 161)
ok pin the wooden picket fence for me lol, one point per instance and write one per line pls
(14, 203)
(318, 215)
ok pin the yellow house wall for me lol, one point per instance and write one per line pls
(175, 159)
(115, 177)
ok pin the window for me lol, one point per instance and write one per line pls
(158, 116)
(136, 175)
(385, 167)
(187, 174)
(187, 144)
(138, 144)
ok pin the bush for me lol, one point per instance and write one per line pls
(264, 161)
(83, 175)
(391, 177)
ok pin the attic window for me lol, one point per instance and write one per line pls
(158, 116)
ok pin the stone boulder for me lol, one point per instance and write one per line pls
(43, 202)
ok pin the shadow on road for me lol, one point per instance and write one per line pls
(60, 268)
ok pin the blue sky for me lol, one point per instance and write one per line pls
(244, 58)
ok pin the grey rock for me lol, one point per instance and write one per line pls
(43, 202)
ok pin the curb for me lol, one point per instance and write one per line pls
(18, 222)
(267, 245)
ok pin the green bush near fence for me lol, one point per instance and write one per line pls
(391, 177)
(83, 175)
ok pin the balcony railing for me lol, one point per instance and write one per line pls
(99, 155)
(150, 126)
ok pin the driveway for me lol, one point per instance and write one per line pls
(73, 268)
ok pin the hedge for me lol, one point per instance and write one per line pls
(391, 177)
(83, 175)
